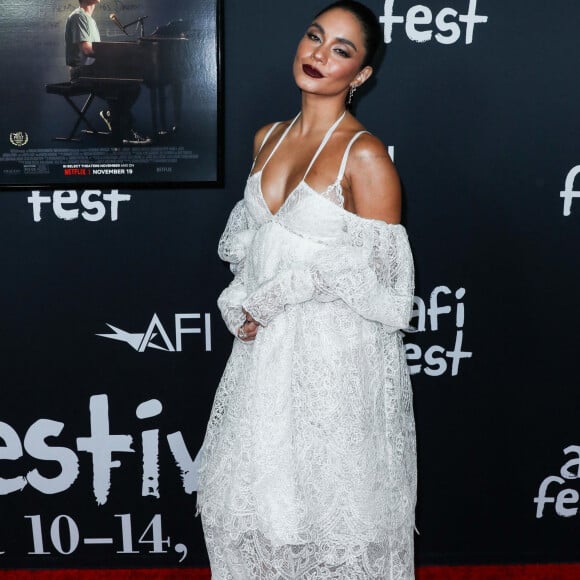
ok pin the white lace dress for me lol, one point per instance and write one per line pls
(308, 470)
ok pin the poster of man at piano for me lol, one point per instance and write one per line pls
(110, 92)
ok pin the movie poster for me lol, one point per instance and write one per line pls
(144, 112)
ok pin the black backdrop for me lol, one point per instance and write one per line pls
(484, 134)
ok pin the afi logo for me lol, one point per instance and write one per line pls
(419, 23)
(156, 336)
(436, 359)
(563, 500)
(569, 194)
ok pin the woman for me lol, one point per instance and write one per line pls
(308, 465)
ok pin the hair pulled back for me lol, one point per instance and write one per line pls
(369, 23)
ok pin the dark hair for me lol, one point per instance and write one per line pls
(369, 22)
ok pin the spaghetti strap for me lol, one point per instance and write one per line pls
(323, 143)
(279, 141)
(264, 141)
(345, 156)
(327, 136)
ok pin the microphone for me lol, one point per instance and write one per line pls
(114, 18)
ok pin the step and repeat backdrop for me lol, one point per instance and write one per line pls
(111, 342)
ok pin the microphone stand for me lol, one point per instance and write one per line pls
(140, 25)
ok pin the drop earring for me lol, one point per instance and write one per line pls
(351, 92)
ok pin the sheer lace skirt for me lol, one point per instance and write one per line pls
(250, 556)
(308, 467)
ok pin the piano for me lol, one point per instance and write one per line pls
(157, 61)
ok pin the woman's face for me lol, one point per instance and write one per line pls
(330, 55)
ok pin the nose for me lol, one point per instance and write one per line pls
(319, 55)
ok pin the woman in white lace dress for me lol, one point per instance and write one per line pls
(308, 466)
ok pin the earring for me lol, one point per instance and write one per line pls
(351, 92)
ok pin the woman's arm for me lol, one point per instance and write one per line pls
(374, 277)
(232, 248)
(373, 274)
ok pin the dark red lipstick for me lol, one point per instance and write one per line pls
(311, 71)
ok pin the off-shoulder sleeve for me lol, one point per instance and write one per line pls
(232, 248)
(373, 274)
(237, 237)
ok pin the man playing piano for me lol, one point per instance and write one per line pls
(80, 33)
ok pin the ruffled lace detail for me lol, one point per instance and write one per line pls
(307, 469)
(233, 247)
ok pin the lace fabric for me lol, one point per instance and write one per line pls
(308, 465)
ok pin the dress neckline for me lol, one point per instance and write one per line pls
(258, 176)
(290, 194)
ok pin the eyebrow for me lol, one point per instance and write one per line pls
(339, 38)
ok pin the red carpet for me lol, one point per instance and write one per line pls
(515, 572)
(522, 572)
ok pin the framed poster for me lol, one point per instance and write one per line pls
(144, 109)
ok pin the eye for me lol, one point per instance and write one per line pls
(313, 36)
(342, 52)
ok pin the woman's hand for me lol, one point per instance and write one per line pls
(248, 330)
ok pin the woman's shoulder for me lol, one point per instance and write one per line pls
(364, 136)
(374, 189)
(367, 150)
(365, 144)
(265, 132)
